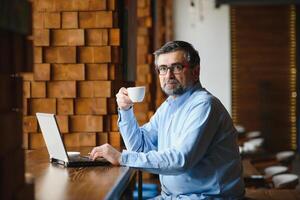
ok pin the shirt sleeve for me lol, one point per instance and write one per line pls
(138, 139)
(199, 129)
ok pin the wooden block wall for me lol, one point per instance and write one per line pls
(163, 32)
(76, 70)
(144, 59)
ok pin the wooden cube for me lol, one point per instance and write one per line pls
(59, 5)
(45, 5)
(96, 71)
(148, 22)
(30, 124)
(60, 55)
(115, 72)
(89, 5)
(142, 79)
(91, 106)
(94, 88)
(61, 89)
(150, 114)
(143, 69)
(102, 138)
(80, 139)
(26, 89)
(112, 105)
(69, 19)
(141, 107)
(111, 4)
(68, 72)
(112, 73)
(142, 118)
(142, 40)
(41, 37)
(38, 20)
(25, 107)
(114, 139)
(95, 54)
(114, 37)
(37, 55)
(36, 141)
(87, 139)
(42, 105)
(63, 123)
(71, 140)
(115, 54)
(143, 31)
(96, 4)
(141, 4)
(27, 76)
(25, 144)
(72, 37)
(86, 123)
(114, 122)
(65, 107)
(97, 19)
(143, 12)
(38, 89)
(52, 20)
(97, 37)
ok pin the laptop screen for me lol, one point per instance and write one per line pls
(52, 136)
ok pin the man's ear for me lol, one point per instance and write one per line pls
(196, 72)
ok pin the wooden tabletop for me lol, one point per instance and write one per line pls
(54, 181)
(273, 194)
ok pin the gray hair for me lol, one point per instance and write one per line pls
(190, 53)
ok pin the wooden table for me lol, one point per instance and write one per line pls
(272, 194)
(53, 181)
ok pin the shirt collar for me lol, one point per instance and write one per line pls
(180, 99)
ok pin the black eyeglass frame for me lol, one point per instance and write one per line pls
(172, 68)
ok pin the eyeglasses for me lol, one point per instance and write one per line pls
(176, 68)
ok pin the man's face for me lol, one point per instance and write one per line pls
(175, 83)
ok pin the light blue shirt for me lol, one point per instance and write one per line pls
(191, 143)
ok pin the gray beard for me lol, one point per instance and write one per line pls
(178, 90)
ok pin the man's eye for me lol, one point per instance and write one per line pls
(163, 68)
(178, 67)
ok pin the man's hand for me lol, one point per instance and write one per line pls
(108, 152)
(123, 100)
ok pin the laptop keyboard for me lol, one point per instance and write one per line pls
(86, 159)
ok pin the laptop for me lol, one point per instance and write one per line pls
(56, 148)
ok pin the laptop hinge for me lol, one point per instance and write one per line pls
(53, 160)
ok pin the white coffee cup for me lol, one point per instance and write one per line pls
(136, 94)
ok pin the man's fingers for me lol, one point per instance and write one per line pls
(94, 151)
(123, 91)
(98, 154)
(124, 101)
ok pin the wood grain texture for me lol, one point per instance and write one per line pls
(261, 71)
(76, 183)
(61, 89)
